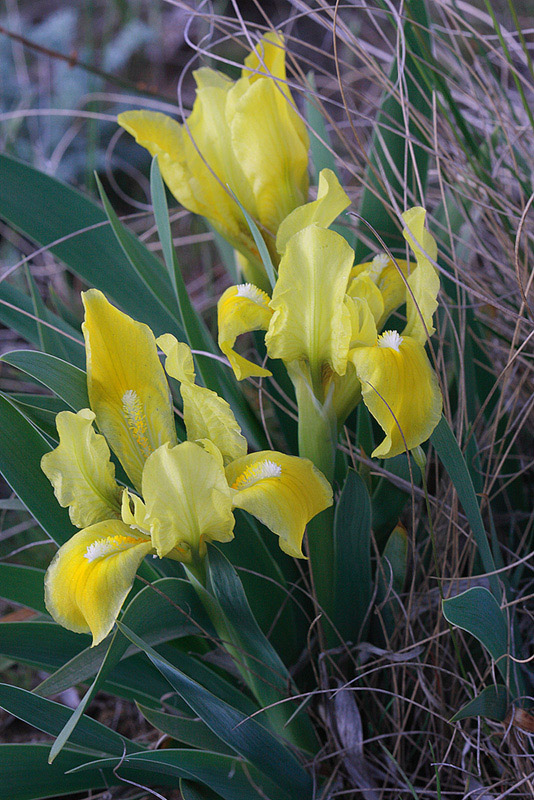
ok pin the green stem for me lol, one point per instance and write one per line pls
(317, 441)
(279, 713)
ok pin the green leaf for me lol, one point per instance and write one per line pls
(17, 313)
(21, 450)
(24, 585)
(41, 644)
(89, 247)
(388, 500)
(322, 155)
(188, 730)
(50, 717)
(451, 457)
(65, 380)
(153, 609)
(27, 776)
(223, 774)
(197, 334)
(391, 576)
(388, 151)
(264, 669)
(167, 609)
(44, 419)
(477, 612)
(241, 732)
(267, 576)
(395, 557)
(353, 585)
(49, 340)
(146, 266)
(194, 791)
(493, 703)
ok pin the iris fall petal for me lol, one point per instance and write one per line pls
(91, 575)
(401, 391)
(283, 492)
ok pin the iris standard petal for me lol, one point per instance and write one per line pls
(187, 499)
(331, 201)
(311, 321)
(401, 391)
(362, 287)
(211, 160)
(283, 492)
(390, 278)
(424, 279)
(91, 575)
(242, 309)
(267, 139)
(127, 387)
(81, 472)
(206, 415)
(162, 136)
(267, 58)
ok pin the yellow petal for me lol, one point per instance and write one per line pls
(80, 471)
(363, 288)
(187, 499)
(210, 156)
(242, 309)
(331, 201)
(162, 135)
(267, 58)
(283, 492)
(390, 279)
(311, 321)
(127, 387)
(271, 145)
(363, 325)
(401, 391)
(346, 394)
(424, 279)
(206, 415)
(91, 575)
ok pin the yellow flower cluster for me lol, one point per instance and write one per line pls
(326, 315)
(185, 492)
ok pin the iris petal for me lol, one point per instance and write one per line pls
(127, 387)
(242, 309)
(311, 321)
(80, 470)
(424, 279)
(331, 201)
(187, 499)
(91, 575)
(401, 391)
(206, 415)
(283, 492)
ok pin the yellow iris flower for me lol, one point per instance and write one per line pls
(324, 317)
(184, 492)
(245, 135)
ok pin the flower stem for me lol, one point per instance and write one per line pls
(317, 441)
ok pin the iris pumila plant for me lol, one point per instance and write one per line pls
(243, 137)
(181, 494)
